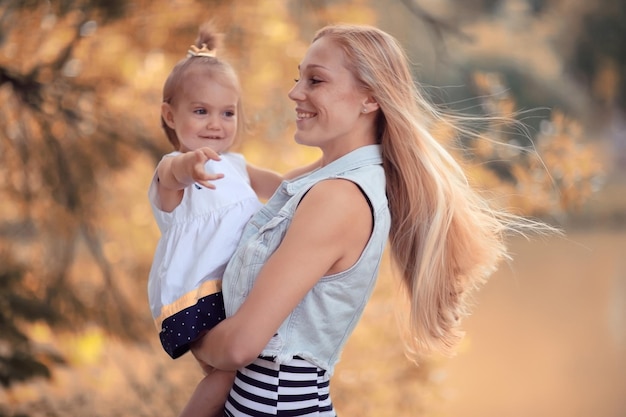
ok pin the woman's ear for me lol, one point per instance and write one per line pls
(370, 104)
(168, 115)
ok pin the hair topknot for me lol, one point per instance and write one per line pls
(201, 59)
(208, 35)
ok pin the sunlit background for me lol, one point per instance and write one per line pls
(80, 91)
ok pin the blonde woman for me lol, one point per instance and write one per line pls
(307, 262)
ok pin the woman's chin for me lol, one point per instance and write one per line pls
(301, 139)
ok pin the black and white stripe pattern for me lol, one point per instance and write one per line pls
(265, 388)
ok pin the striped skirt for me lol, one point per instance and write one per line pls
(265, 388)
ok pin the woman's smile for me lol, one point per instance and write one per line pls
(303, 115)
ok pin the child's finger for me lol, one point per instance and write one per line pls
(207, 182)
(205, 176)
(204, 184)
(198, 172)
(210, 154)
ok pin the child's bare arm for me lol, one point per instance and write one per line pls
(210, 395)
(296, 172)
(177, 172)
(264, 182)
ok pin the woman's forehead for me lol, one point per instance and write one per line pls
(325, 54)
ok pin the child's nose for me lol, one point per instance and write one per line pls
(213, 122)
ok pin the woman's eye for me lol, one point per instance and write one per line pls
(310, 80)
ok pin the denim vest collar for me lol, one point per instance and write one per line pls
(363, 156)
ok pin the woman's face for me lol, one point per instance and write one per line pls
(329, 103)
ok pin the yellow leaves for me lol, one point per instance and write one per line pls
(574, 165)
(41, 333)
(443, 131)
(556, 172)
(84, 348)
(498, 101)
(560, 175)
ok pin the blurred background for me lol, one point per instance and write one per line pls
(80, 87)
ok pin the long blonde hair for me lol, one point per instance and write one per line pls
(445, 238)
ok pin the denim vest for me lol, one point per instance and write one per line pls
(320, 325)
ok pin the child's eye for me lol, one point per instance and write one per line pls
(229, 113)
(200, 111)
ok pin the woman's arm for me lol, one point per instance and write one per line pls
(327, 235)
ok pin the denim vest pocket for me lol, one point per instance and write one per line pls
(271, 233)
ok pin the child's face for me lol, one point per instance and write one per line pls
(204, 113)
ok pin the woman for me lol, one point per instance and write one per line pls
(307, 262)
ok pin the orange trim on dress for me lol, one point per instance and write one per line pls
(187, 300)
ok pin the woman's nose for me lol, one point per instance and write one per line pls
(295, 93)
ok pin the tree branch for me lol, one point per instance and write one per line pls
(436, 25)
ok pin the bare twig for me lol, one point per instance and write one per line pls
(438, 27)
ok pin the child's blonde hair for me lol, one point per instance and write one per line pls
(204, 63)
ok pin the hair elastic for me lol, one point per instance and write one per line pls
(204, 51)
